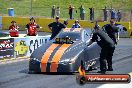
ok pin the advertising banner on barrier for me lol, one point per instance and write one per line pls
(6, 48)
(0, 22)
(26, 46)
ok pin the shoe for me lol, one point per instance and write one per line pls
(110, 69)
(102, 72)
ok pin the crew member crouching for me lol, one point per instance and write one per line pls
(13, 29)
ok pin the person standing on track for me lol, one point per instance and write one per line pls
(55, 27)
(32, 27)
(107, 49)
(112, 30)
(13, 29)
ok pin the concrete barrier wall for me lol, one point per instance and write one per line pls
(43, 22)
(130, 33)
(20, 46)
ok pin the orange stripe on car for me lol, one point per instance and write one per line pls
(77, 29)
(46, 56)
(56, 58)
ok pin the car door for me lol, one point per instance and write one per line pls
(93, 51)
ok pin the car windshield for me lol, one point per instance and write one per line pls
(67, 37)
(75, 36)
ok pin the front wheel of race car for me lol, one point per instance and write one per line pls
(34, 66)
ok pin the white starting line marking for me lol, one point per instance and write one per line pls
(129, 85)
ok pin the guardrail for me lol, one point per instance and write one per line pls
(43, 22)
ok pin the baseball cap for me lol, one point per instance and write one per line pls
(32, 19)
(77, 21)
(57, 17)
(13, 21)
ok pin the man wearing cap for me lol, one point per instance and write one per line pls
(76, 24)
(32, 27)
(13, 29)
(107, 49)
(55, 27)
(112, 30)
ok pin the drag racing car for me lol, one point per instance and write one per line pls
(65, 52)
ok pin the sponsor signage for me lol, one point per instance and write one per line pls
(6, 47)
(26, 46)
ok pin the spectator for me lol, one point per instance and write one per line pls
(118, 16)
(53, 11)
(58, 11)
(76, 24)
(32, 27)
(91, 13)
(13, 29)
(113, 14)
(82, 12)
(55, 27)
(71, 8)
(105, 11)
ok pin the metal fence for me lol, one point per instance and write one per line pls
(32, 10)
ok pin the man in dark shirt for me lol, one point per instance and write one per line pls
(71, 8)
(107, 45)
(55, 27)
(112, 30)
(91, 13)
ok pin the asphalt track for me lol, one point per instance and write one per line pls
(15, 75)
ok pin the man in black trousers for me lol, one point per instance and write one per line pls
(108, 47)
(112, 30)
(91, 14)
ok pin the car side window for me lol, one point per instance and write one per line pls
(86, 35)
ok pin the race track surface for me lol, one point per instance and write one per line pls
(15, 75)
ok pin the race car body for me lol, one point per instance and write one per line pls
(65, 52)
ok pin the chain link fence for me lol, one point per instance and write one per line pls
(33, 8)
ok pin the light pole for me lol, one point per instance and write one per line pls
(10, 3)
(31, 7)
(131, 15)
